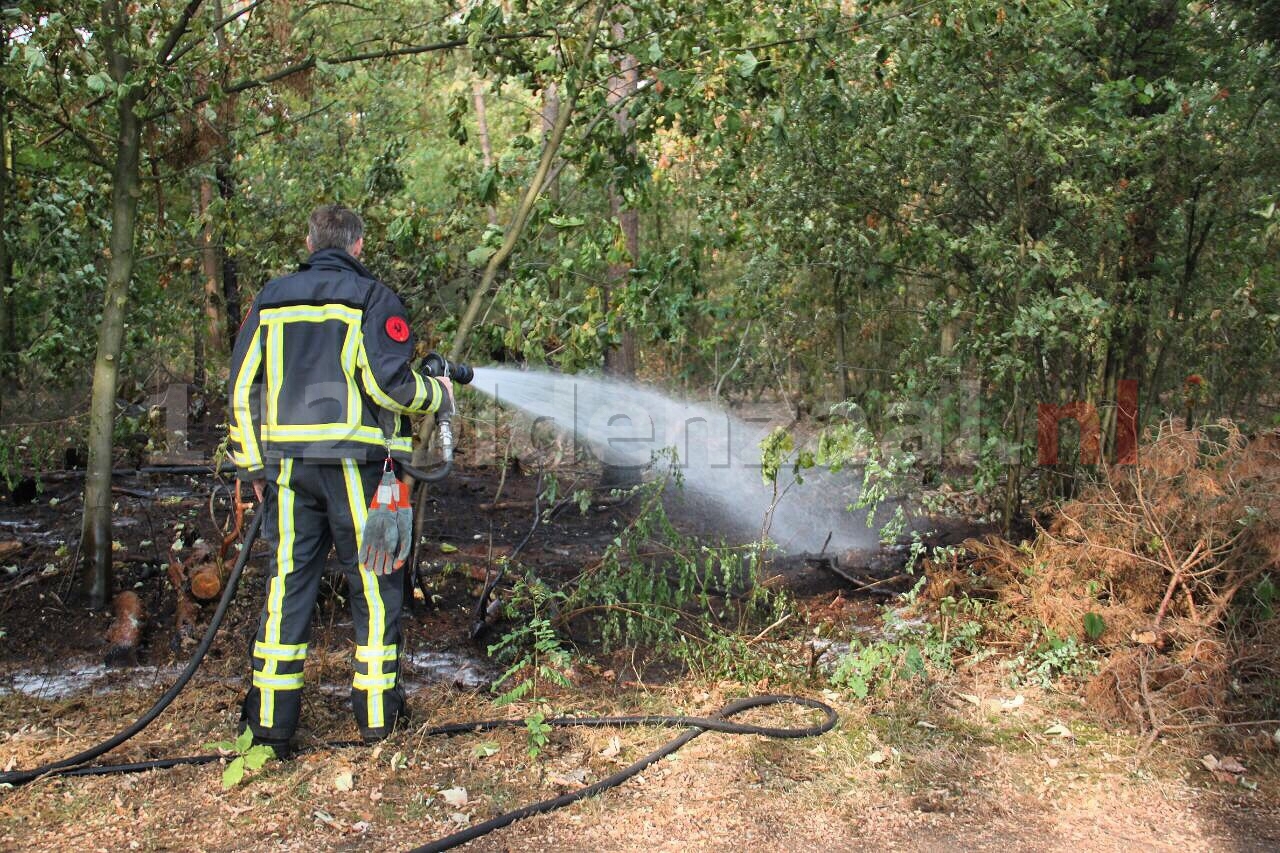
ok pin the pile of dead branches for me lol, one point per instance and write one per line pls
(1168, 567)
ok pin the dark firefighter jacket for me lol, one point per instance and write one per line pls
(321, 369)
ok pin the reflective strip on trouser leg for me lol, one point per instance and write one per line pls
(375, 660)
(302, 542)
(265, 678)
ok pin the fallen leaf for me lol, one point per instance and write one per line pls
(1231, 764)
(344, 781)
(1058, 730)
(614, 747)
(1011, 704)
(484, 749)
(877, 757)
(456, 797)
(1210, 762)
(572, 779)
(925, 724)
(970, 698)
(460, 818)
(1146, 638)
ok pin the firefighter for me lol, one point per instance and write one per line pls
(321, 392)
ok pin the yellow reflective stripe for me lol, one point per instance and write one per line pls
(355, 497)
(333, 432)
(350, 345)
(372, 597)
(275, 375)
(318, 432)
(284, 553)
(275, 598)
(375, 390)
(313, 432)
(287, 681)
(385, 400)
(436, 398)
(311, 314)
(371, 653)
(420, 392)
(249, 455)
(267, 651)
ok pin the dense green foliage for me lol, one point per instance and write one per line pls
(974, 201)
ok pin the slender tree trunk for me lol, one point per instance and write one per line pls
(95, 540)
(8, 342)
(230, 269)
(620, 359)
(486, 147)
(842, 344)
(551, 114)
(210, 271)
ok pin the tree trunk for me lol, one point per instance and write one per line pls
(550, 115)
(482, 131)
(620, 359)
(842, 345)
(8, 342)
(230, 270)
(95, 539)
(210, 270)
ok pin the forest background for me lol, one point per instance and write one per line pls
(880, 203)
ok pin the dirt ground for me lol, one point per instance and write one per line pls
(962, 764)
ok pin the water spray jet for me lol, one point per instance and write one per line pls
(716, 454)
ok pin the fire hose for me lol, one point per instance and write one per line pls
(77, 765)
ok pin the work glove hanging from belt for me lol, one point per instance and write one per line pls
(388, 529)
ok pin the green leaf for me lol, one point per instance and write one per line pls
(479, 256)
(244, 741)
(99, 82)
(566, 221)
(35, 58)
(233, 774)
(446, 548)
(747, 63)
(258, 756)
(1094, 625)
(484, 749)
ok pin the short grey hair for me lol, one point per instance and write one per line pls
(333, 226)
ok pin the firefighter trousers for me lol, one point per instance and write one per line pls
(312, 507)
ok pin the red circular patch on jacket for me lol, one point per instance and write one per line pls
(397, 329)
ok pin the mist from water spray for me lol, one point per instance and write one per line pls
(717, 454)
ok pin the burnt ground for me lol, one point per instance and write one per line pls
(927, 771)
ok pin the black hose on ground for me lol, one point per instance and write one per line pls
(698, 725)
(22, 777)
(719, 722)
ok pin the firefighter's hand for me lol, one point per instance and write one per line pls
(448, 387)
